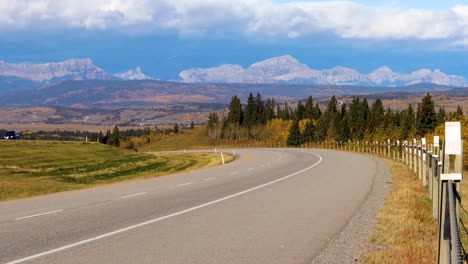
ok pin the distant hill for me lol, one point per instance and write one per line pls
(137, 93)
(288, 70)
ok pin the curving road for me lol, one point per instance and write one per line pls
(268, 206)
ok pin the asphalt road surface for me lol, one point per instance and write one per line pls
(267, 206)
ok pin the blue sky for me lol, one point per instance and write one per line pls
(165, 37)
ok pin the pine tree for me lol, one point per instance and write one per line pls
(376, 115)
(176, 128)
(459, 115)
(114, 138)
(260, 118)
(309, 132)
(329, 120)
(269, 109)
(388, 119)
(192, 125)
(317, 112)
(294, 137)
(300, 111)
(427, 118)
(235, 111)
(343, 129)
(250, 112)
(407, 122)
(357, 118)
(441, 116)
(309, 108)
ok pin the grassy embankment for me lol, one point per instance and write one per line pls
(197, 139)
(29, 168)
(405, 231)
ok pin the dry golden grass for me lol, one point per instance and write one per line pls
(30, 168)
(405, 231)
(464, 217)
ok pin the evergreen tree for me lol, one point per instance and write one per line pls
(250, 112)
(407, 122)
(309, 132)
(441, 116)
(192, 125)
(459, 115)
(329, 120)
(235, 111)
(285, 113)
(357, 119)
(294, 137)
(260, 118)
(114, 138)
(376, 115)
(387, 120)
(317, 112)
(344, 132)
(309, 108)
(427, 119)
(269, 109)
(176, 128)
(300, 111)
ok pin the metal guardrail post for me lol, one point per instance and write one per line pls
(449, 247)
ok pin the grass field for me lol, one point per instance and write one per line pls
(29, 168)
(197, 139)
(405, 231)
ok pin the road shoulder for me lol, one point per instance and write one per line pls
(351, 242)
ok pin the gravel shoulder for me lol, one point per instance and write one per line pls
(352, 241)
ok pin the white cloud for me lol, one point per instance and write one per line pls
(266, 18)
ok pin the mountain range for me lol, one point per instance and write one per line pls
(277, 70)
(28, 76)
(288, 70)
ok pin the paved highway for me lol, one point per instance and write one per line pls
(268, 206)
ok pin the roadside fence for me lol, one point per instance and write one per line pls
(439, 166)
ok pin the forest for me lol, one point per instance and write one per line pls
(305, 123)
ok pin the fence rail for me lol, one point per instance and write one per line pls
(439, 167)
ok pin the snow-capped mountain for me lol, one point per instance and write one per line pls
(72, 69)
(133, 74)
(286, 69)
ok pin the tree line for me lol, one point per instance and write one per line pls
(260, 119)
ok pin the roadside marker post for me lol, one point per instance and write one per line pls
(222, 157)
(423, 161)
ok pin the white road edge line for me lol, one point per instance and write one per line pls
(164, 217)
(234, 173)
(250, 169)
(131, 195)
(36, 215)
(184, 184)
(209, 179)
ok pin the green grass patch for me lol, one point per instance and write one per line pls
(29, 168)
(405, 231)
